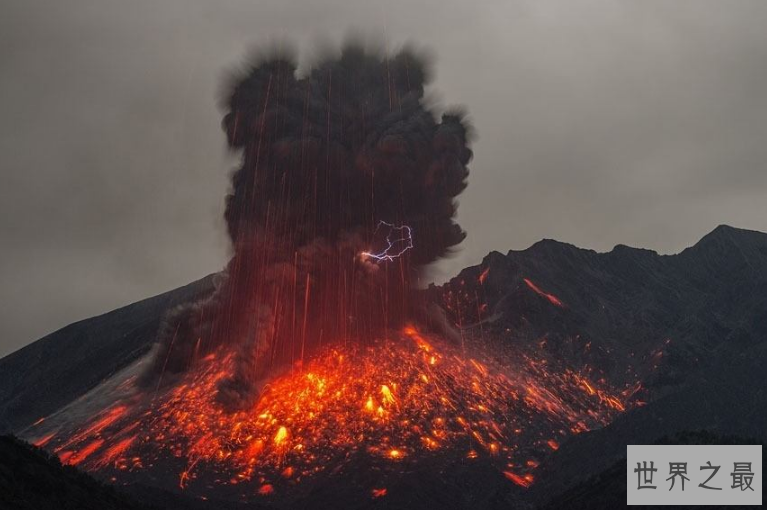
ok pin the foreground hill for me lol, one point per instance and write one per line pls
(30, 479)
(607, 489)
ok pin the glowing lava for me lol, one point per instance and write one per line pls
(395, 402)
(554, 300)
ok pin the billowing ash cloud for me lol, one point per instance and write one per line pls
(332, 162)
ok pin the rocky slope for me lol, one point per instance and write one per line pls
(51, 372)
(607, 489)
(632, 313)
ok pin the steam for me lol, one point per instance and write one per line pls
(327, 158)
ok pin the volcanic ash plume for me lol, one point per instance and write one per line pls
(345, 192)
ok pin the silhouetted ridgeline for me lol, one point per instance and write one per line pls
(30, 479)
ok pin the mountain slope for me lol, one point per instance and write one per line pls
(607, 489)
(729, 400)
(51, 372)
(630, 313)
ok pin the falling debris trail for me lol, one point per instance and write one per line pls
(554, 300)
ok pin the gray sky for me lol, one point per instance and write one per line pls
(600, 122)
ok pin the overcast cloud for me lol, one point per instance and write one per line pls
(600, 122)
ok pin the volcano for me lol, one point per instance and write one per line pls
(563, 357)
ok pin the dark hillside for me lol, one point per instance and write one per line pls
(30, 479)
(51, 372)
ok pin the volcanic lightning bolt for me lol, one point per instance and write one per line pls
(398, 241)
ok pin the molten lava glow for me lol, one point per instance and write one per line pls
(519, 480)
(483, 276)
(554, 300)
(42, 441)
(394, 402)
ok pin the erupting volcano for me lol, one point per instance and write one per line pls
(345, 192)
(315, 353)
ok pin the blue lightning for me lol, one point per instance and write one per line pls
(404, 235)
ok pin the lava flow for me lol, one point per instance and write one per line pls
(393, 404)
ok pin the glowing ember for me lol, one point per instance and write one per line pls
(281, 436)
(395, 402)
(554, 300)
(519, 480)
(42, 441)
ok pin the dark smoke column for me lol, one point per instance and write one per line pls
(325, 159)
